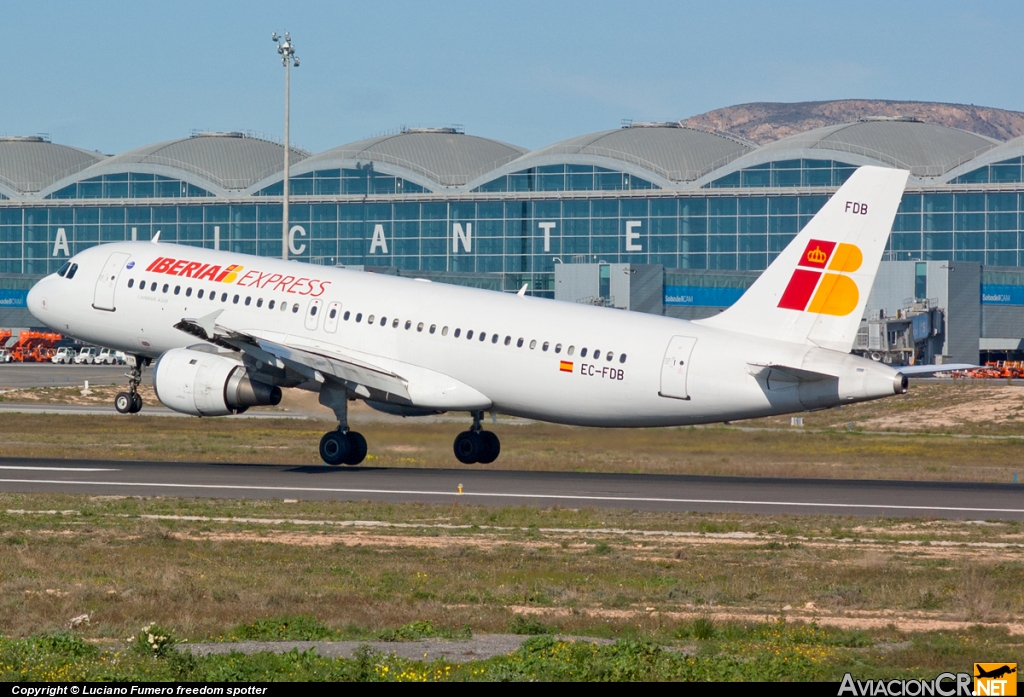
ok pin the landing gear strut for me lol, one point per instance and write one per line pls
(130, 402)
(340, 446)
(477, 445)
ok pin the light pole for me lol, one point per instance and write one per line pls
(286, 50)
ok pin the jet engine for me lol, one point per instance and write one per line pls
(209, 384)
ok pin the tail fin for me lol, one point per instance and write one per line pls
(815, 291)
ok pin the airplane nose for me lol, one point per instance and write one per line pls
(36, 300)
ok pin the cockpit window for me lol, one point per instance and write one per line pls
(71, 272)
(64, 269)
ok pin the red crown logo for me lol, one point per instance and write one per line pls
(816, 256)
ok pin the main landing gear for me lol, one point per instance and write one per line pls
(340, 446)
(477, 445)
(130, 402)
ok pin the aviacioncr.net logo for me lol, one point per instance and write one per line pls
(820, 284)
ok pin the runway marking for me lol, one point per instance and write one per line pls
(60, 469)
(554, 497)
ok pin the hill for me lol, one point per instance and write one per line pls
(764, 122)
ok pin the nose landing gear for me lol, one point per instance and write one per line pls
(130, 402)
(477, 445)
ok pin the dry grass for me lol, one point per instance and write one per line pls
(247, 561)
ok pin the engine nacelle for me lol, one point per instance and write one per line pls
(208, 384)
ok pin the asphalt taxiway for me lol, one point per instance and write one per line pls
(956, 500)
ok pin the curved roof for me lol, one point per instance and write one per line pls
(673, 152)
(926, 149)
(444, 156)
(231, 161)
(33, 163)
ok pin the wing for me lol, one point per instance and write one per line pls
(366, 380)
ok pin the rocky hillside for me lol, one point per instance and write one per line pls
(763, 122)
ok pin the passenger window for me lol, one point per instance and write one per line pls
(248, 300)
(200, 294)
(394, 323)
(188, 292)
(177, 290)
(383, 321)
(334, 312)
(234, 300)
(583, 353)
(519, 343)
(359, 317)
(433, 327)
(223, 297)
(408, 324)
(259, 302)
(622, 358)
(444, 331)
(610, 356)
(312, 310)
(494, 338)
(369, 320)
(508, 340)
(572, 350)
(533, 344)
(295, 308)
(597, 354)
(270, 305)
(558, 348)
(166, 287)
(419, 327)
(284, 306)
(457, 332)
(347, 315)
(483, 336)
(545, 346)
(469, 334)
(131, 281)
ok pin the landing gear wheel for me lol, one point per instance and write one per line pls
(136, 403)
(357, 448)
(469, 445)
(335, 448)
(123, 402)
(492, 448)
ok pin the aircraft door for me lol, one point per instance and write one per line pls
(675, 367)
(313, 315)
(103, 297)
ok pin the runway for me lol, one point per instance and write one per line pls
(975, 501)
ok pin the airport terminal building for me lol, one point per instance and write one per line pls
(687, 217)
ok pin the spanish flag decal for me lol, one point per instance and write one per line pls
(565, 366)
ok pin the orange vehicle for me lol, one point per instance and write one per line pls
(33, 347)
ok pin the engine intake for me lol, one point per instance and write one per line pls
(209, 384)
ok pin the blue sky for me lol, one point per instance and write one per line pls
(117, 75)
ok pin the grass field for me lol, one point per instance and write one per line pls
(726, 590)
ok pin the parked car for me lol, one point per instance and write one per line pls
(5, 356)
(87, 356)
(63, 356)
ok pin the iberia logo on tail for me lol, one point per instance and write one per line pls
(813, 289)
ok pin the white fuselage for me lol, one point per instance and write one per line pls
(710, 375)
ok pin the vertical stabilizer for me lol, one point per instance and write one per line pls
(815, 290)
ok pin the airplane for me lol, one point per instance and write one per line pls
(228, 331)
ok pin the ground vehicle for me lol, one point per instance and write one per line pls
(87, 356)
(63, 356)
(32, 346)
(106, 357)
(5, 356)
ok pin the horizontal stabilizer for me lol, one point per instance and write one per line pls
(785, 373)
(924, 370)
